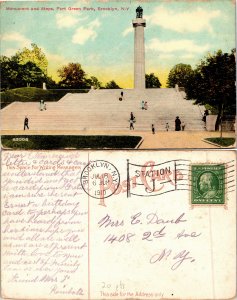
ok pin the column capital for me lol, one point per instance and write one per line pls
(139, 22)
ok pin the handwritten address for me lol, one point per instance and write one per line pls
(162, 230)
(47, 230)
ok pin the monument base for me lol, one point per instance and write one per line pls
(211, 122)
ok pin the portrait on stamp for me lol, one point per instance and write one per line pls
(208, 185)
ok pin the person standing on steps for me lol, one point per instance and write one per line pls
(26, 123)
(183, 126)
(177, 124)
(153, 128)
(132, 120)
(206, 113)
(132, 117)
(167, 126)
(145, 106)
(41, 105)
(121, 96)
(131, 124)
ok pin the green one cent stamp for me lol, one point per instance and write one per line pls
(207, 184)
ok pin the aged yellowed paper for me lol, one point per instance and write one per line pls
(78, 223)
(118, 225)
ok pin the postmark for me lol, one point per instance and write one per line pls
(97, 178)
(207, 184)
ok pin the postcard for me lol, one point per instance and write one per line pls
(81, 79)
(118, 225)
(109, 74)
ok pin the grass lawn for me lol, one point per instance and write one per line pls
(32, 94)
(223, 142)
(55, 142)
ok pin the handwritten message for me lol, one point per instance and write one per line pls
(44, 222)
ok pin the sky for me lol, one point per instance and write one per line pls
(99, 35)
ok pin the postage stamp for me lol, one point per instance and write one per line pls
(207, 184)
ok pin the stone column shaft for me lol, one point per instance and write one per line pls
(139, 53)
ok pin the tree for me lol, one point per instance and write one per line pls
(72, 76)
(34, 55)
(50, 83)
(152, 81)
(26, 67)
(112, 85)
(9, 73)
(31, 74)
(93, 81)
(14, 75)
(215, 83)
(180, 74)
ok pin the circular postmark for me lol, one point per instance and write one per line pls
(100, 179)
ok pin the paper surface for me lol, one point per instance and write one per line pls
(73, 228)
(116, 225)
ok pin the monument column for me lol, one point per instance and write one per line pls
(139, 50)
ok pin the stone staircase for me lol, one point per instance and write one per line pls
(102, 110)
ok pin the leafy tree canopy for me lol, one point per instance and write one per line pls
(93, 81)
(112, 85)
(31, 74)
(180, 74)
(152, 81)
(73, 76)
(34, 55)
(9, 73)
(214, 82)
(15, 75)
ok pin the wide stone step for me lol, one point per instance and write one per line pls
(100, 109)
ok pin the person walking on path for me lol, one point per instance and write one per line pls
(177, 124)
(26, 123)
(132, 120)
(41, 105)
(131, 124)
(152, 128)
(142, 104)
(183, 126)
(167, 126)
(206, 113)
(121, 96)
(145, 106)
(132, 117)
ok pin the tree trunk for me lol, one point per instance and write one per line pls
(219, 116)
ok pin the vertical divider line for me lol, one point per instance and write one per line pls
(88, 253)
(175, 175)
(212, 262)
(128, 180)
